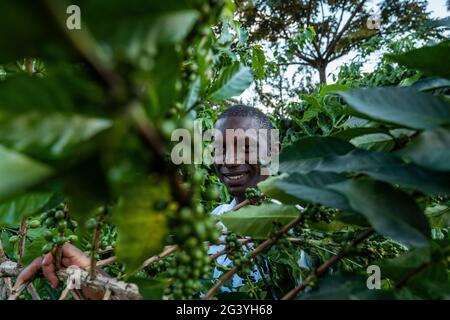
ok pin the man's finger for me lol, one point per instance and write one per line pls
(49, 270)
(74, 256)
(28, 273)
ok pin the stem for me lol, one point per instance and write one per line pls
(225, 251)
(58, 250)
(168, 250)
(263, 246)
(92, 270)
(29, 65)
(3, 256)
(326, 265)
(22, 238)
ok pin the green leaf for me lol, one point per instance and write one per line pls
(150, 289)
(259, 221)
(57, 92)
(162, 80)
(258, 61)
(345, 286)
(31, 32)
(50, 136)
(430, 84)
(313, 110)
(431, 60)
(374, 142)
(403, 106)
(21, 93)
(439, 216)
(149, 22)
(391, 212)
(333, 87)
(193, 95)
(351, 133)
(431, 149)
(85, 187)
(426, 269)
(305, 152)
(309, 187)
(19, 172)
(13, 210)
(8, 247)
(141, 230)
(33, 250)
(335, 155)
(232, 81)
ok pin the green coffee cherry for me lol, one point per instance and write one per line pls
(91, 224)
(198, 178)
(72, 224)
(60, 240)
(103, 245)
(62, 225)
(72, 238)
(33, 224)
(13, 239)
(59, 215)
(212, 193)
(48, 235)
(49, 222)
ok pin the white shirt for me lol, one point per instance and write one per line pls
(223, 260)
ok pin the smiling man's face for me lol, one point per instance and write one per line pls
(235, 175)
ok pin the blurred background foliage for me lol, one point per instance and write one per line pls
(86, 118)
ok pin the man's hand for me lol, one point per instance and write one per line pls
(71, 255)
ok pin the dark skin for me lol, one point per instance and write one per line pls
(237, 177)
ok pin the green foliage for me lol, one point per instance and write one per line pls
(19, 172)
(232, 81)
(401, 106)
(87, 116)
(13, 210)
(424, 59)
(258, 221)
(141, 227)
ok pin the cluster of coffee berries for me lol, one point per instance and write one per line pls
(381, 249)
(253, 194)
(160, 266)
(236, 254)
(191, 228)
(56, 223)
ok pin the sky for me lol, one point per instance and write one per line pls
(437, 9)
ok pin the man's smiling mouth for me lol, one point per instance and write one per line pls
(235, 178)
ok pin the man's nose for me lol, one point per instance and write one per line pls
(231, 165)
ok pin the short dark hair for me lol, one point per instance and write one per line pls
(240, 110)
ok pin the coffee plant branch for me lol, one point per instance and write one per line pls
(22, 236)
(327, 264)
(422, 267)
(101, 282)
(259, 249)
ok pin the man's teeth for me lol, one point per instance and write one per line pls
(236, 177)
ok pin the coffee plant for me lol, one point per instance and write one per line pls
(86, 122)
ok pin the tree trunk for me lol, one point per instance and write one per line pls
(322, 73)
